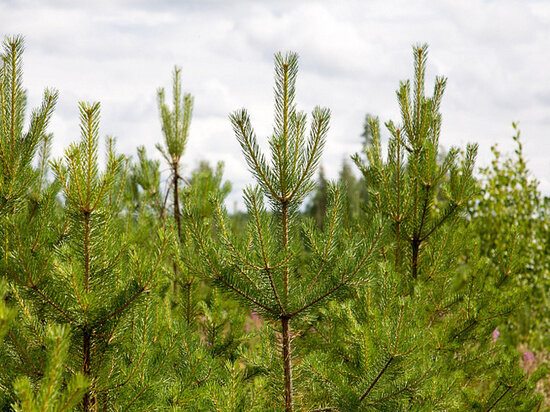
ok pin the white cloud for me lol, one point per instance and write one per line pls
(353, 55)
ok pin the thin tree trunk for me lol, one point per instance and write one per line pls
(287, 365)
(87, 400)
(285, 320)
(414, 260)
(177, 215)
(398, 207)
(177, 218)
(397, 245)
(285, 243)
(87, 251)
(188, 308)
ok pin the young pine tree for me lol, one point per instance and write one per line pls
(418, 337)
(53, 394)
(75, 266)
(175, 127)
(205, 182)
(17, 150)
(49, 394)
(45, 388)
(269, 269)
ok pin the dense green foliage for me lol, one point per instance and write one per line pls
(407, 288)
(510, 214)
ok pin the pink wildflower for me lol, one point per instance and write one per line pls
(529, 356)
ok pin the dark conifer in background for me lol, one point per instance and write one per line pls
(316, 207)
(356, 194)
(144, 195)
(205, 182)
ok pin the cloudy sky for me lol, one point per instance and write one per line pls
(352, 56)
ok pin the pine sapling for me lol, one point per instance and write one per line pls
(418, 337)
(76, 268)
(270, 269)
(175, 127)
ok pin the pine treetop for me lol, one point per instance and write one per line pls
(175, 122)
(17, 148)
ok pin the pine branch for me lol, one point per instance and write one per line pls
(51, 303)
(121, 308)
(376, 379)
(395, 393)
(509, 387)
(317, 300)
(319, 129)
(244, 295)
(425, 207)
(218, 276)
(255, 159)
(23, 352)
(449, 213)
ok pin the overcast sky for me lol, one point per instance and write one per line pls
(496, 55)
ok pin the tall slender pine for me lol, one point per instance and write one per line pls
(175, 127)
(270, 269)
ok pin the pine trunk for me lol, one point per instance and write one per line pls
(287, 351)
(87, 401)
(287, 365)
(414, 260)
(177, 215)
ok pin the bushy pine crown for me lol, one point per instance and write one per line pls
(264, 269)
